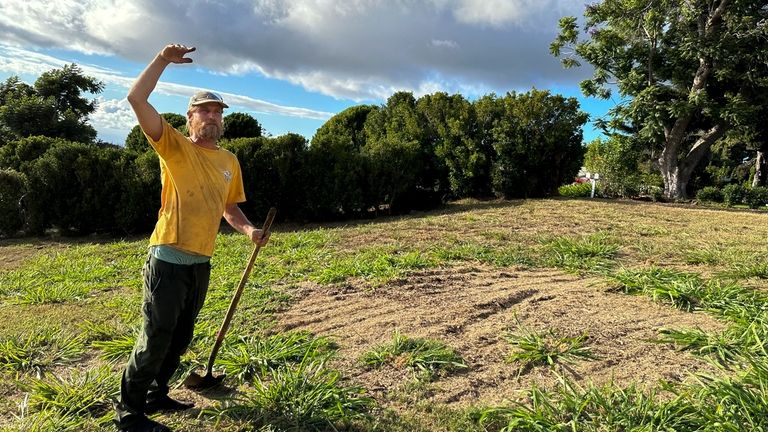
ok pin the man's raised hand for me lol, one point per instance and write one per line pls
(175, 53)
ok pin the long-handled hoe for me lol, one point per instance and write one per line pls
(196, 382)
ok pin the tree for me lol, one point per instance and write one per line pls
(688, 70)
(53, 107)
(13, 187)
(619, 162)
(136, 140)
(537, 143)
(241, 125)
(450, 128)
(398, 161)
(336, 169)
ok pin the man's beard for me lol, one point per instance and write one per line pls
(206, 131)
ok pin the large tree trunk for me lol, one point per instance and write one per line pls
(675, 171)
(758, 180)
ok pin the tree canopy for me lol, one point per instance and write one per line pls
(687, 71)
(241, 125)
(54, 106)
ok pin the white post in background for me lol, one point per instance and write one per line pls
(593, 177)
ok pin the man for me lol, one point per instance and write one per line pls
(201, 182)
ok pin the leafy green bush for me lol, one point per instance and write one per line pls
(139, 194)
(756, 197)
(710, 193)
(338, 170)
(734, 194)
(537, 143)
(271, 170)
(622, 170)
(13, 186)
(576, 190)
(74, 187)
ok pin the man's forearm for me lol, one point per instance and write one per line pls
(237, 220)
(146, 82)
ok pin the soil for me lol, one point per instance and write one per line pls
(471, 308)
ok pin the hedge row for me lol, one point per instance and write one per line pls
(735, 194)
(406, 154)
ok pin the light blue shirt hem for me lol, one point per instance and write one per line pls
(175, 256)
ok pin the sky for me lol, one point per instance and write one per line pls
(293, 64)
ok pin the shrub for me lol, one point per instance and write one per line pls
(734, 194)
(271, 170)
(74, 186)
(338, 170)
(537, 144)
(576, 190)
(139, 194)
(13, 186)
(756, 197)
(710, 193)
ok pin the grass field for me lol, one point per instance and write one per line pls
(537, 315)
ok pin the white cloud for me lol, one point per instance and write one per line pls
(351, 49)
(18, 61)
(114, 114)
(498, 13)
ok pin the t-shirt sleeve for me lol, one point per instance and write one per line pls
(166, 144)
(236, 190)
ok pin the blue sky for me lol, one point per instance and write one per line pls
(294, 64)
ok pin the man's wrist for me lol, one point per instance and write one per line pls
(252, 231)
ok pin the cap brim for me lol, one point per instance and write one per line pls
(204, 101)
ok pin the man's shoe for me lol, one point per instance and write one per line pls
(166, 404)
(147, 425)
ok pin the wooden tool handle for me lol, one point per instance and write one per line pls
(239, 292)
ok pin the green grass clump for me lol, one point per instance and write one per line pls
(725, 347)
(51, 421)
(117, 349)
(570, 407)
(546, 348)
(588, 253)
(754, 268)
(39, 351)
(708, 255)
(295, 398)
(257, 355)
(426, 357)
(115, 342)
(376, 265)
(81, 394)
(683, 290)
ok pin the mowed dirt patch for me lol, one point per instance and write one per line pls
(471, 308)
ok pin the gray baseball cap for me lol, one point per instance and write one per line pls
(202, 97)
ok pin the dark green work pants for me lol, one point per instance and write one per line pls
(173, 296)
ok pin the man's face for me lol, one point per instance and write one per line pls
(205, 121)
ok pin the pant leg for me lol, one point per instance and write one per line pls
(198, 278)
(164, 299)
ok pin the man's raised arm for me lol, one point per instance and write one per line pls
(138, 96)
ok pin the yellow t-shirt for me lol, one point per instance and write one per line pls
(197, 183)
